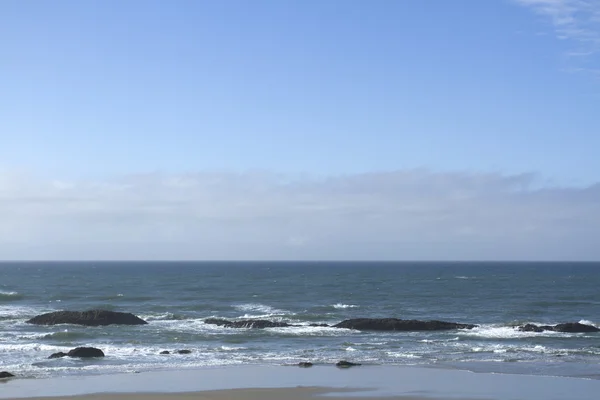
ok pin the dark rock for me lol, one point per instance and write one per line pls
(60, 354)
(165, 352)
(575, 327)
(395, 324)
(319, 325)
(246, 323)
(5, 374)
(85, 352)
(345, 364)
(535, 328)
(88, 318)
(569, 327)
(305, 364)
(184, 351)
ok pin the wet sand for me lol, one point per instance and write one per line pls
(236, 394)
(293, 383)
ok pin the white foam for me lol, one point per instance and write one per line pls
(588, 322)
(340, 305)
(262, 308)
(306, 330)
(231, 348)
(395, 354)
(20, 311)
(506, 332)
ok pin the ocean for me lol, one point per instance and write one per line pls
(176, 297)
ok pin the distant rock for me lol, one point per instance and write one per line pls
(319, 325)
(5, 374)
(305, 364)
(60, 354)
(568, 327)
(345, 364)
(395, 324)
(165, 352)
(246, 323)
(184, 351)
(85, 352)
(535, 328)
(575, 327)
(88, 318)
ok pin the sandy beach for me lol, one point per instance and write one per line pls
(299, 393)
(280, 382)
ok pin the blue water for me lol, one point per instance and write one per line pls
(175, 298)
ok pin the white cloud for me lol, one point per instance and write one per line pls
(577, 21)
(411, 214)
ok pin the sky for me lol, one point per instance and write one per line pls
(304, 130)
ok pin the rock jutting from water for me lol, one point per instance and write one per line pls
(5, 374)
(246, 323)
(395, 324)
(568, 327)
(305, 364)
(85, 352)
(79, 352)
(87, 318)
(345, 364)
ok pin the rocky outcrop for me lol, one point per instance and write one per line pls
(345, 364)
(85, 352)
(165, 352)
(60, 354)
(5, 374)
(305, 364)
(88, 318)
(246, 323)
(184, 351)
(568, 327)
(395, 324)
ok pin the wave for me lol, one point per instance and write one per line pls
(588, 322)
(20, 312)
(10, 296)
(262, 308)
(257, 310)
(167, 316)
(342, 306)
(64, 335)
(306, 330)
(508, 332)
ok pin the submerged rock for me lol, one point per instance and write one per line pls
(184, 351)
(88, 318)
(246, 323)
(165, 352)
(568, 327)
(60, 354)
(5, 374)
(345, 364)
(395, 324)
(319, 325)
(84, 352)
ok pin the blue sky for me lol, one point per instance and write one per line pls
(350, 93)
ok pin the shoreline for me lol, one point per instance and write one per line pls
(365, 382)
(291, 393)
